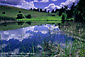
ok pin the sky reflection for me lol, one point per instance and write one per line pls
(26, 32)
(35, 35)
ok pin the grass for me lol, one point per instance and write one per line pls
(45, 18)
(12, 12)
(75, 29)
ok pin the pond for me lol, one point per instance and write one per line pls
(27, 38)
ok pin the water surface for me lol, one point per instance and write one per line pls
(24, 39)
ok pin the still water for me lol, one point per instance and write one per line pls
(24, 39)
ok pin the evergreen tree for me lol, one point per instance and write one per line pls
(61, 11)
(45, 10)
(73, 6)
(53, 11)
(65, 7)
(56, 10)
(71, 13)
(48, 11)
(31, 9)
(73, 10)
(40, 10)
(81, 10)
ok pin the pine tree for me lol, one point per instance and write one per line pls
(40, 10)
(53, 11)
(45, 10)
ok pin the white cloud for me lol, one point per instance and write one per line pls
(26, 5)
(15, 51)
(44, 32)
(13, 2)
(18, 3)
(52, 6)
(68, 2)
(27, 35)
(4, 45)
(6, 32)
(39, 46)
(18, 37)
(44, 1)
(35, 31)
(31, 28)
(54, 0)
(35, 0)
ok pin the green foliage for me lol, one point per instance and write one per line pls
(20, 16)
(79, 11)
(81, 6)
(28, 16)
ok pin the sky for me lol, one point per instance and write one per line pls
(44, 4)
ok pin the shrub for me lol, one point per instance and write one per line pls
(3, 12)
(29, 16)
(53, 11)
(20, 16)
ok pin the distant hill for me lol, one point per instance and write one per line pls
(13, 11)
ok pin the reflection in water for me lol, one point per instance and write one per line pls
(23, 39)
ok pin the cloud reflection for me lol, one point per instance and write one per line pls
(27, 32)
(35, 35)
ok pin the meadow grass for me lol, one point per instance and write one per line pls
(12, 12)
(43, 18)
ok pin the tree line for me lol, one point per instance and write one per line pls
(77, 12)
